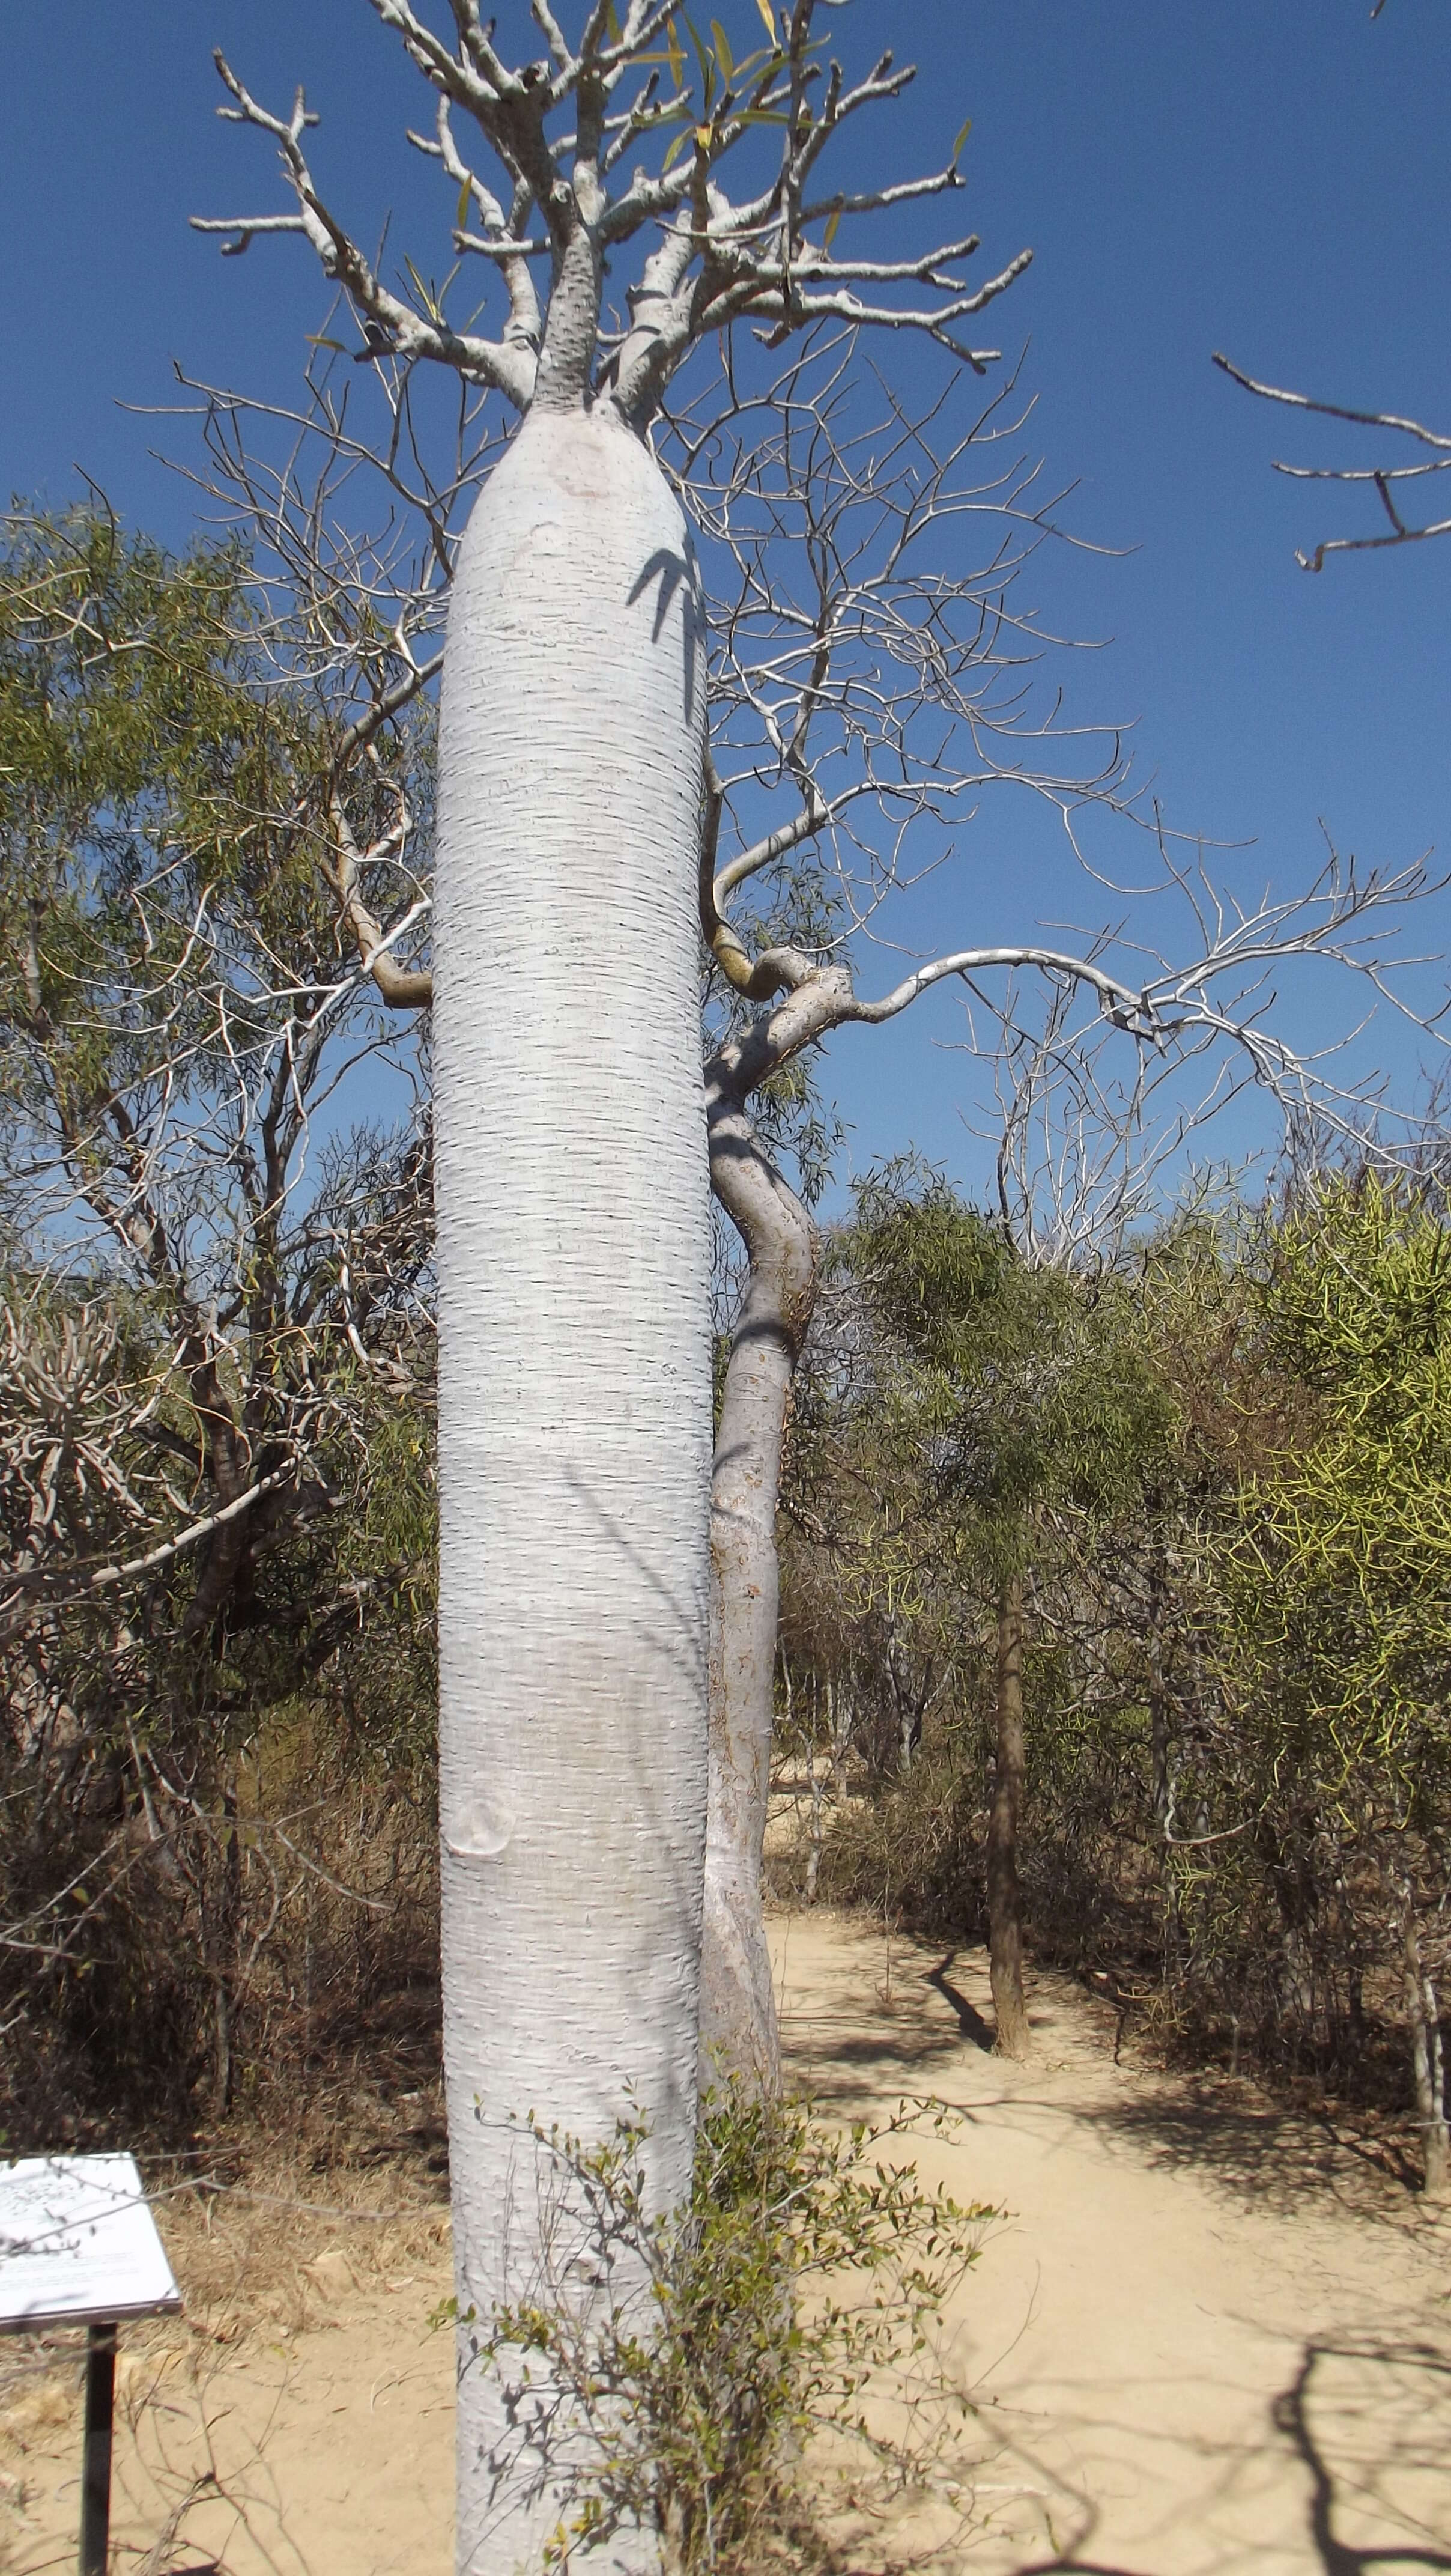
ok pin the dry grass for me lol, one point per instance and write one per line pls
(269, 2240)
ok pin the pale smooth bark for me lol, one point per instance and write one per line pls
(738, 2013)
(574, 1396)
(1004, 1895)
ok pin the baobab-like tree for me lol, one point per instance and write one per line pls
(571, 1152)
(621, 772)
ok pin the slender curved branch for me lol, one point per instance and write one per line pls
(391, 326)
(1128, 1010)
(51, 1578)
(1333, 411)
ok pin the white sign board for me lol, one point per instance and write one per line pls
(78, 2244)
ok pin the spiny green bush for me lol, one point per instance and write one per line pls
(667, 2371)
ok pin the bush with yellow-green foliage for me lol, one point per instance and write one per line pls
(1335, 1572)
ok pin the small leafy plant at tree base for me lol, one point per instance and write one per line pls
(666, 2373)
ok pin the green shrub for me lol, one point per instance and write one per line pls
(668, 2371)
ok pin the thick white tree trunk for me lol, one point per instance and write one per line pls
(574, 1368)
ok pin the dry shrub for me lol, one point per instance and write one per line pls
(276, 1948)
(913, 1850)
(1269, 1950)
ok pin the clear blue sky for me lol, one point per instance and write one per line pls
(1266, 176)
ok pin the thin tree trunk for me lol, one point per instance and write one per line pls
(224, 1962)
(1004, 1895)
(814, 1836)
(911, 1706)
(738, 2010)
(1161, 1755)
(1159, 1718)
(821, 1780)
(1424, 2023)
(574, 1381)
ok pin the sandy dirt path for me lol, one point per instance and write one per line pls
(1204, 2339)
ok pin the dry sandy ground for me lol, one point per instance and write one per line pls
(1205, 2338)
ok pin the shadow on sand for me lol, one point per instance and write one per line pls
(1370, 2424)
(1283, 2158)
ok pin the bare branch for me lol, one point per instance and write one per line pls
(1382, 477)
(396, 326)
(1128, 1010)
(1335, 411)
(94, 1579)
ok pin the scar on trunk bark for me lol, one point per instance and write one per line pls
(1004, 1894)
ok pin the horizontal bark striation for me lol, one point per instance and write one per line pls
(574, 1377)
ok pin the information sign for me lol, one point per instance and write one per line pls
(78, 2244)
(78, 2247)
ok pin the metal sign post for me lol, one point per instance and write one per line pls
(96, 2457)
(78, 2246)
